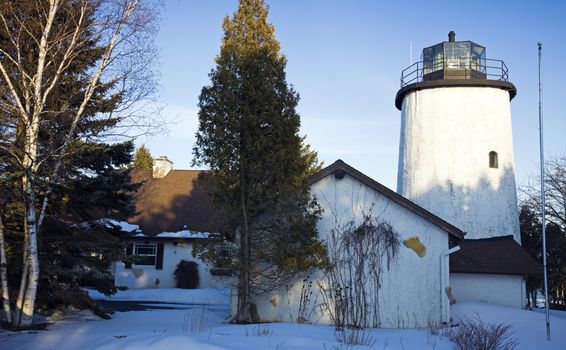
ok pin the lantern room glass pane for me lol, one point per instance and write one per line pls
(478, 57)
(432, 58)
(457, 55)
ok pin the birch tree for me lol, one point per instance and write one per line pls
(41, 42)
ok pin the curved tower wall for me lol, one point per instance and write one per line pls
(447, 134)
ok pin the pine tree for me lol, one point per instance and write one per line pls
(142, 158)
(531, 240)
(249, 137)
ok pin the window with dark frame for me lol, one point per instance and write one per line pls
(493, 160)
(145, 253)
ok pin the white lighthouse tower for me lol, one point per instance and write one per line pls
(456, 148)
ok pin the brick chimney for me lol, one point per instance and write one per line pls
(161, 167)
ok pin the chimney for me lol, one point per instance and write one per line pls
(451, 37)
(161, 167)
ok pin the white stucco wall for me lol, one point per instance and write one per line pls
(446, 136)
(142, 276)
(507, 290)
(410, 295)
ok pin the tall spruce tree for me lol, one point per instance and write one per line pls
(249, 137)
(142, 158)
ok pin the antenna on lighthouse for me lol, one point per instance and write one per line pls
(540, 121)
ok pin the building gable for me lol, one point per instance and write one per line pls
(339, 169)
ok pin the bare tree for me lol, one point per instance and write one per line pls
(41, 41)
(361, 247)
(555, 191)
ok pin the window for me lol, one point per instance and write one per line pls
(224, 260)
(145, 254)
(493, 161)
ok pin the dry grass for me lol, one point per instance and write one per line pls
(196, 320)
(355, 337)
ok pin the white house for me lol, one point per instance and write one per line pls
(172, 214)
(435, 265)
(412, 292)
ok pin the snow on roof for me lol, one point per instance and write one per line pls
(123, 225)
(185, 234)
(131, 228)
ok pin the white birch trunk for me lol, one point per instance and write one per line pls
(33, 275)
(4, 276)
(26, 304)
(23, 286)
(23, 281)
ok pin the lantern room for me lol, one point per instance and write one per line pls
(454, 60)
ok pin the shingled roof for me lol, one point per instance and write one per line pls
(340, 168)
(173, 203)
(497, 255)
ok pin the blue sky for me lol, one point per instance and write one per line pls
(345, 59)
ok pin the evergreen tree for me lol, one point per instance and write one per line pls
(249, 137)
(531, 234)
(531, 240)
(142, 158)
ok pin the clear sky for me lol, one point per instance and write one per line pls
(345, 59)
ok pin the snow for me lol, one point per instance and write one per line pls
(185, 234)
(123, 225)
(131, 228)
(204, 327)
(529, 327)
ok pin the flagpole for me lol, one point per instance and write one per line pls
(540, 121)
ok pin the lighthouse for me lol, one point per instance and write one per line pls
(456, 147)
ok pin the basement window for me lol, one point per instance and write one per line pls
(493, 160)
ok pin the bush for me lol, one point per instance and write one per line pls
(186, 274)
(474, 334)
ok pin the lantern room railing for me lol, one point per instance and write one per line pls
(455, 68)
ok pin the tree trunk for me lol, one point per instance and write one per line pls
(33, 275)
(23, 281)
(244, 312)
(4, 276)
(30, 275)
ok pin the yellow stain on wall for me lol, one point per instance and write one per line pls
(274, 301)
(415, 244)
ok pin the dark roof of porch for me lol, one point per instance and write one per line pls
(497, 255)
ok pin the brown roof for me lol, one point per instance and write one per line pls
(497, 255)
(176, 202)
(339, 168)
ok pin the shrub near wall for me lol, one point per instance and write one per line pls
(186, 274)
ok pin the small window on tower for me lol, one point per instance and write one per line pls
(493, 161)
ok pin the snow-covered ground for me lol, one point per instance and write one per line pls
(203, 327)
